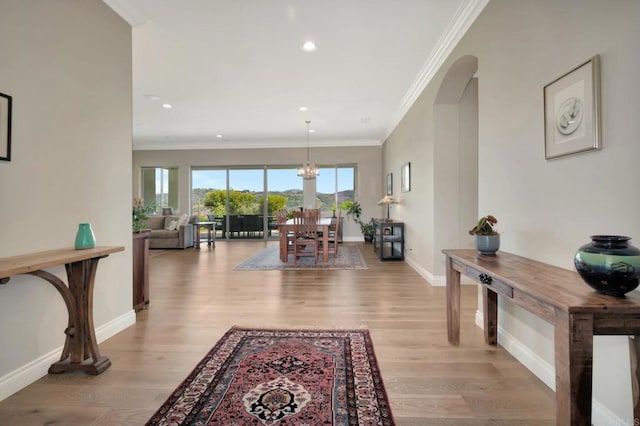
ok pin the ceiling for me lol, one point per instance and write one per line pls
(235, 73)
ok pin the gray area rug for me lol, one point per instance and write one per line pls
(349, 257)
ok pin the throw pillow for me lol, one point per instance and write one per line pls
(171, 225)
(183, 220)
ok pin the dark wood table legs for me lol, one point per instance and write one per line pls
(559, 297)
(80, 347)
(211, 234)
(453, 304)
(80, 352)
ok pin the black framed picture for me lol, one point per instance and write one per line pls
(5, 127)
(405, 177)
(389, 184)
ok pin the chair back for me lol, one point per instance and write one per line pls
(309, 215)
(306, 230)
(281, 217)
(336, 226)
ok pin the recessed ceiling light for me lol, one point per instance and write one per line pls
(167, 106)
(152, 97)
(365, 120)
(219, 136)
(309, 46)
(303, 108)
(311, 131)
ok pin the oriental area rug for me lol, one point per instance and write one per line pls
(282, 377)
(348, 257)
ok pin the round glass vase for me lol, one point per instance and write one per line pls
(609, 264)
(84, 237)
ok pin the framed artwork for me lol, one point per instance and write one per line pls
(5, 127)
(389, 184)
(572, 111)
(405, 177)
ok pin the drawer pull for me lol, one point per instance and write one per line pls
(485, 279)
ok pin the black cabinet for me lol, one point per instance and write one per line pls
(388, 239)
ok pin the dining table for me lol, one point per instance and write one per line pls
(322, 228)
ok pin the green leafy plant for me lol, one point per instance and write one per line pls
(140, 213)
(485, 226)
(354, 210)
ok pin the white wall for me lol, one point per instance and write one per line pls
(367, 159)
(546, 208)
(67, 64)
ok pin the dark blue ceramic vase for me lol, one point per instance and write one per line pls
(609, 264)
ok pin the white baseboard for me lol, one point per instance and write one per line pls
(434, 280)
(428, 276)
(600, 414)
(34, 370)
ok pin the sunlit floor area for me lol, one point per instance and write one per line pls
(196, 296)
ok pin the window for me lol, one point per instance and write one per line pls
(334, 186)
(246, 191)
(160, 186)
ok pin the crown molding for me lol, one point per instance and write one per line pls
(134, 16)
(464, 17)
(149, 145)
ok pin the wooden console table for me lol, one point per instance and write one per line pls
(140, 250)
(80, 350)
(560, 297)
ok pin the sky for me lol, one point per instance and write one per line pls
(278, 179)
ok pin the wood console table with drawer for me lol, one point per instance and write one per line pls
(560, 297)
(80, 350)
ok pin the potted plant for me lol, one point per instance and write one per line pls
(140, 213)
(354, 210)
(487, 238)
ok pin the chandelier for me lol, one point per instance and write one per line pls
(308, 170)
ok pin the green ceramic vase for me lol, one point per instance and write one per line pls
(85, 238)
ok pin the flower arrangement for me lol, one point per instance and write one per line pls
(485, 226)
(140, 213)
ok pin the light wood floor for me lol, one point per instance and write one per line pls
(196, 296)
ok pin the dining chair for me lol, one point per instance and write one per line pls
(281, 219)
(305, 242)
(303, 216)
(333, 237)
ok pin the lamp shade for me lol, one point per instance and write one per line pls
(388, 199)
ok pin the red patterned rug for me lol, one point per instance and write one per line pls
(282, 377)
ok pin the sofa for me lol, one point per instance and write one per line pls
(171, 231)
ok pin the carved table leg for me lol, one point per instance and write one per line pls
(81, 347)
(453, 303)
(490, 305)
(574, 368)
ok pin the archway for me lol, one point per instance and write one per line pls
(456, 157)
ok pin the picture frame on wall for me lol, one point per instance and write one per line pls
(572, 111)
(389, 182)
(5, 127)
(405, 177)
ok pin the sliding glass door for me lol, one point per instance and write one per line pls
(285, 192)
(235, 197)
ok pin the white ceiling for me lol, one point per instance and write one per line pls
(236, 68)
